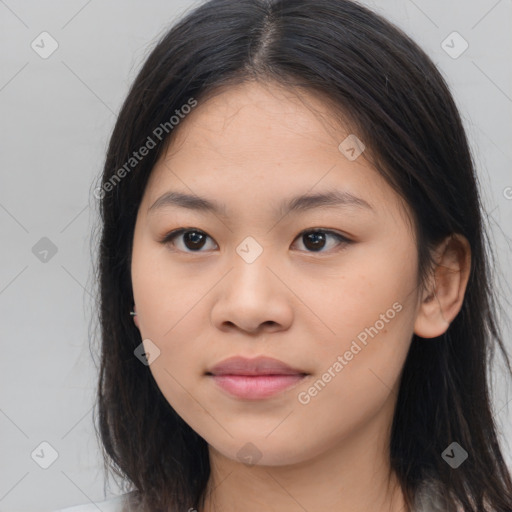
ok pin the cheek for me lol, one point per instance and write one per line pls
(369, 308)
(368, 298)
(357, 370)
(160, 292)
(169, 315)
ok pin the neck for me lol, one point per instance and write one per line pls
(352, 476)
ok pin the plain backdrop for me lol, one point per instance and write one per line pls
(57, 114)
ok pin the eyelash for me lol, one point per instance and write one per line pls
(169, 237)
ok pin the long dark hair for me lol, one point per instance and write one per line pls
(396, 101)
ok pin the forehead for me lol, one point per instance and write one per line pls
(259, 115)
(261, 141)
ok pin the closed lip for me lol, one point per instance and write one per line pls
(261, 365)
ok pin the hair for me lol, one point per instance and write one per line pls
(388, 91)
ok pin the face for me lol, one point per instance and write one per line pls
(328, 289)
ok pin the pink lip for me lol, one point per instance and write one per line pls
(256, 387)
(254, 379)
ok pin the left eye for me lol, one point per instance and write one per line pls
(316, 239)
(194, 239)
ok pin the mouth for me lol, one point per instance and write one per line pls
(255, 379)
(256, 387)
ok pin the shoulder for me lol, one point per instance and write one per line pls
(110, 505)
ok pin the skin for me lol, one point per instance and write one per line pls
(249, 147)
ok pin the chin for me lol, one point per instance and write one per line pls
(262, 451)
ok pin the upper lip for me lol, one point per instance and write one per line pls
(261, 365)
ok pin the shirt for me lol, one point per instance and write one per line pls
(429, 498)
(109, 505)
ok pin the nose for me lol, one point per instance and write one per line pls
(254, 298)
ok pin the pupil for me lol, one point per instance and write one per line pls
(192, 236)
(315, 237)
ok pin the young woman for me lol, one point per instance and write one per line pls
(296, 305)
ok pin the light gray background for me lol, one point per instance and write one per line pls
(56, 117)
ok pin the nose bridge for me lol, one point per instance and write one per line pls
(250, 250)
(250, 265)
(252, 285)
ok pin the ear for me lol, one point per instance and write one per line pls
(443, 298)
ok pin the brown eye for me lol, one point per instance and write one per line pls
(196, 239)
(192, 239)
(316, 240)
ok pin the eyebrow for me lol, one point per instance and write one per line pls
(332, 198)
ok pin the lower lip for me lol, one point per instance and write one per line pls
(256, 387)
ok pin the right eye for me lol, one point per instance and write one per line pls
(193, 240)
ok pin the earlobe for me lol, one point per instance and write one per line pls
(443, 299)
(134, 314)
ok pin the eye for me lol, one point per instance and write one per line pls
(315, 239)
(194, 239)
